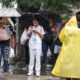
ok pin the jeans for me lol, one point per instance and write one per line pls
(60, 26)
(45, 49)
(4, 52)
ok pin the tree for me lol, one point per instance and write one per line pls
(7, 3)
(49, 5)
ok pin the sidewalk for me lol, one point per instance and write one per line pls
(24, 77)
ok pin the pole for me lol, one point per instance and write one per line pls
(17, 36)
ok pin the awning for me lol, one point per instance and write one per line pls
(9, 12)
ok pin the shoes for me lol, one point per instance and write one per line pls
(43, 65)
(5, 74)
(30, 74)
(37, 75)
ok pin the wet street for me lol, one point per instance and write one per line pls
(24, 77)
(19, 72)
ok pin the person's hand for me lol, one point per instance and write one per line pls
(30, 31)
(11, 33)
(36, 31)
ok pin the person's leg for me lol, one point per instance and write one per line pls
(27, 54)
(52, 53)
(56, 56)
(68, 78)
(38, 61)
(5, 57)
(75, 79)
(0, 55)
(1, 64)
(71, 79)
(44, 51)
(31, 62)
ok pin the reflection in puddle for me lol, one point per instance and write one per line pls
(20, 68)
(33, 78)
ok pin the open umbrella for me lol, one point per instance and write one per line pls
(47, 14)
(26, 20)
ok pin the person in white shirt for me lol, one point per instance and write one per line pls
(35, 34)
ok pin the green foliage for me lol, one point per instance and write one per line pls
(49, 5)
(7, 3)
(29, 3)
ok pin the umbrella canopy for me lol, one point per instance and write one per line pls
(26, 20)
(9, 12)
(47, 14)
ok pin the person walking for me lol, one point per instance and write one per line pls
(67, 64)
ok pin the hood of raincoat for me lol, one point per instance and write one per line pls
(72, 22)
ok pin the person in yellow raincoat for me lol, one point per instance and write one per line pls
(68, 62)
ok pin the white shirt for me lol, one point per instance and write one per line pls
(35, 40)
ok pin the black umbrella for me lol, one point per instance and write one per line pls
(47, 14)
(26, 20)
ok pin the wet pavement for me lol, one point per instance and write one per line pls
(19, 72)
(24, 77)
(21, 68)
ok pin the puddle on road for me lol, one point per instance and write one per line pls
(2, 78)
(20, 68)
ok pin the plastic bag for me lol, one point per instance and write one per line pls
(57, 49)
(11, 53)
(24, 37)
(12, 42)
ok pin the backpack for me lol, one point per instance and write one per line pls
(48, 38)
(24, 37)
(58, 42)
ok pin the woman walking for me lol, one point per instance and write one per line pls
(68, 62)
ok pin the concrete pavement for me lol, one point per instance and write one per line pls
(24, 77)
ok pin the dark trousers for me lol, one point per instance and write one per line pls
(71, 79)
(27, 53)
(45, 50)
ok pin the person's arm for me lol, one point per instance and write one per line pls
(11, 33)
(61, 35)
(41, 36)
(29, 32)
(41, 33)
(57, 29)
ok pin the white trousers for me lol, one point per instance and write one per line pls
(35, 59)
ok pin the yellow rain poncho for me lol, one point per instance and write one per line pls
(68, 62)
